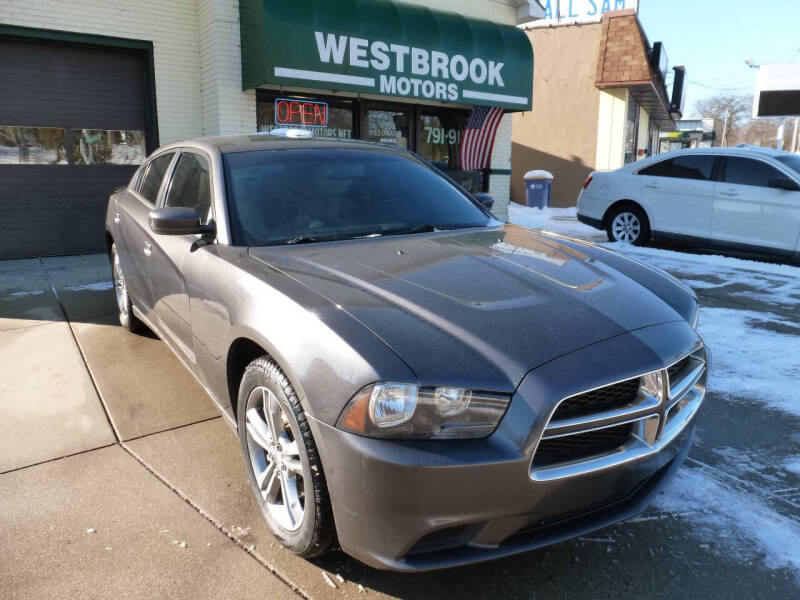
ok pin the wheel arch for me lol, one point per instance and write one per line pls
(622, 203)
(244, 349)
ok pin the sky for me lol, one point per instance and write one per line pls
(713, 38)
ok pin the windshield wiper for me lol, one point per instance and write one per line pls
(426, 228)
(303, 239)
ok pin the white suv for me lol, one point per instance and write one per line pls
(745, 198)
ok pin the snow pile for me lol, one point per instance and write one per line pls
(557, 220)
(733, 521)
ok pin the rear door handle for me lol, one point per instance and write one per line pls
(729, 193)
(116, 216)
(652, 186)
(148, 248)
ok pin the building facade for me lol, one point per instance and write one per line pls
(601, 101)
(92, 86)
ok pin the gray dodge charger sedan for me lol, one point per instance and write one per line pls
(408, 376)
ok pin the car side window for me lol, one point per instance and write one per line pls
(700, 166)
(151, 182)
(191, 185)
(748, 171)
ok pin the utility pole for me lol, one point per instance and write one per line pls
(725, 127)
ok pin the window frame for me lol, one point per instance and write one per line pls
(166, 185)
(716, 168)
(145, 169)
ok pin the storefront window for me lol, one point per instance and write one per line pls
(631, 130)
(388, 127)
(32, 146)
(340, 117)
(438, 141)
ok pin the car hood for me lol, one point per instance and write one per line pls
(474, 307)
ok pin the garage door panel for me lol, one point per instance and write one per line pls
(46, 84)
(83, 93)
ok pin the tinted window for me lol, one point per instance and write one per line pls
(153, 177)
(683, 167)
(746, 171)
(277, 195)
(191, 185)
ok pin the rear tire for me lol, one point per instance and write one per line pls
(628, 224)
(126, 317)
(282, 461)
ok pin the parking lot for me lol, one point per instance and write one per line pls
(119, 479)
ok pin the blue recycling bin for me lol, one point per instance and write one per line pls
(538, 185)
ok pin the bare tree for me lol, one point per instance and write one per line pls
(729, 111)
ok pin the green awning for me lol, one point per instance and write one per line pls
(387, 48)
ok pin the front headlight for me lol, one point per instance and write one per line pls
(402, 410)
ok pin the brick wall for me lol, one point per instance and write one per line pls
(623, 50)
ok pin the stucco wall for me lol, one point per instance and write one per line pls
(559, 133)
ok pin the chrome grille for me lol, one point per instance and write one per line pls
(628, 420)
(605, 398)
(574, 447)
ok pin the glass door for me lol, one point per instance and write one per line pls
(387, 125)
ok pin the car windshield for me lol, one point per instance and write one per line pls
(792, 161)
(312, 195)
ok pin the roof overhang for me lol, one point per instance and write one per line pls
(386, 48)
(649, 97)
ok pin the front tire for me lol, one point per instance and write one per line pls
(282, 461)
(628, 224)
(126, 317)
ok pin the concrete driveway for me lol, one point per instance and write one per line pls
(119, 479)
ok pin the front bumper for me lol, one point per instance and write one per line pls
(409, 506)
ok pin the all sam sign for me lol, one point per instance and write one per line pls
(566, 12)
(385, 48)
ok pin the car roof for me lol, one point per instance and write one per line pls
(742, 150)
(229, 144)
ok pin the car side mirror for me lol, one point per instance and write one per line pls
(784, 183)
(485, 199)
(176, 220)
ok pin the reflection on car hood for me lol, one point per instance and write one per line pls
(474, 307)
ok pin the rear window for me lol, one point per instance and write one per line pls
(276, 196)
(699, 166)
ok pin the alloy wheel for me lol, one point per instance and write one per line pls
(626, 227)
(275, 458)
(120, 288)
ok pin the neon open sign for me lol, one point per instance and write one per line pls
(307, 113)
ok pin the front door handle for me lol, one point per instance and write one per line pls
(729, 193)
(652, 186)
(116, 216)
(148, 248)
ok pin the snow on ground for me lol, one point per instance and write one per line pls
(752, 361)
(756, 360)
(558, 220)
(733, 522)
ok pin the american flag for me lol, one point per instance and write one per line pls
(478, 138)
